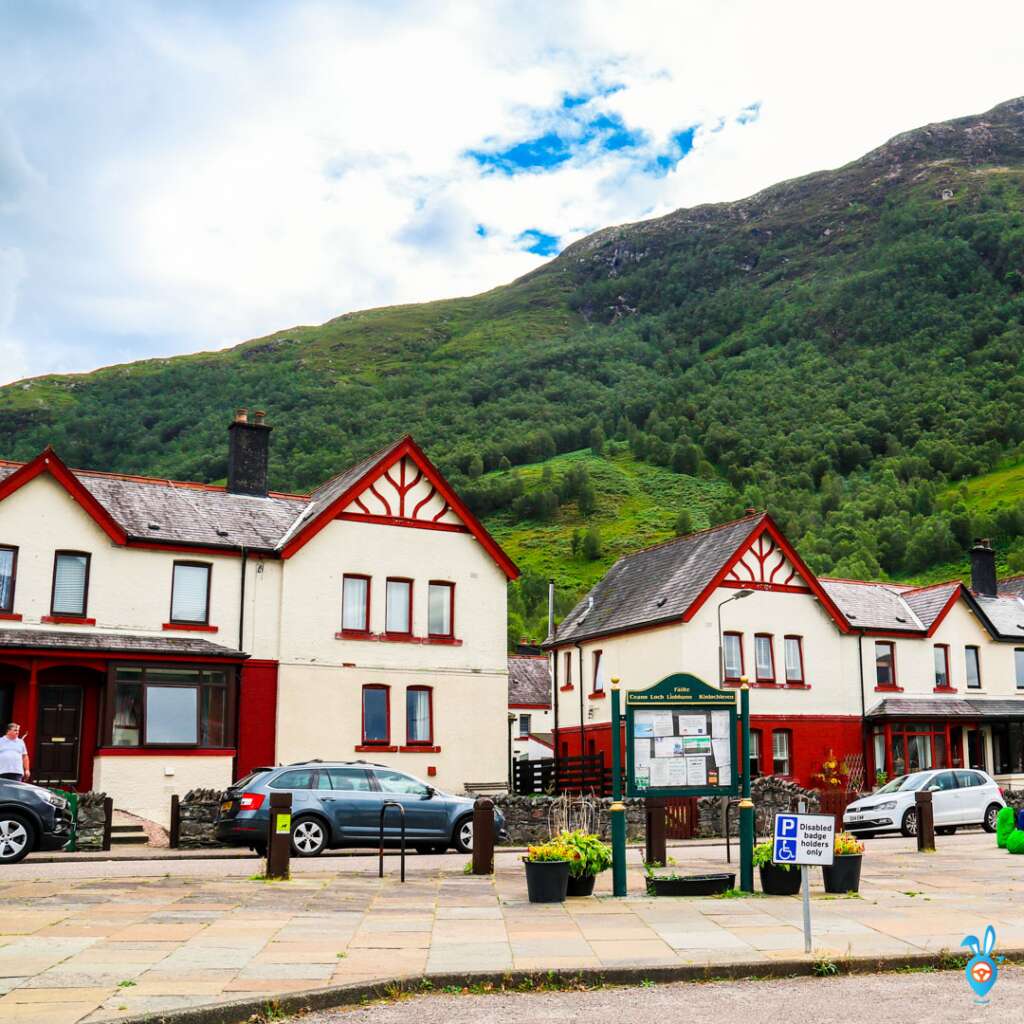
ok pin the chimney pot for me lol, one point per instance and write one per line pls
(259, 417)
(241, 415)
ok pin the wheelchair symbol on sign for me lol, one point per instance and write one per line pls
(785, 850)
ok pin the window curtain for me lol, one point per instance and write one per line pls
(417, 704)
(397, 620)
(733, 666)
(189, 593)
(69, 584)
(794, 670)
(440, 601)
(353, 604)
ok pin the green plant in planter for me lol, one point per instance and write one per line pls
(881, 778)
(550, 851)
(847, 845)
(763, 856)
(1005, 824)
(593, 855)
(1015, 842)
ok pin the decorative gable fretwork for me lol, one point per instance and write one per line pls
(764, 566)
(403, 493)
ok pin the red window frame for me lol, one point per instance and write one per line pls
(55, 615)
(366, 608)
(770, 637)
(9, 607)
(977, 663)
(205, 621)
(949, 676)
(594, 688)
(429, 741)
(366, 742)
(757, 735)
(568, 671)
(892, 684)
(743, 664)
(397, 632)
(451, 609)
(799, 657)
(788, 733)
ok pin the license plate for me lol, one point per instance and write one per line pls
(855, 817)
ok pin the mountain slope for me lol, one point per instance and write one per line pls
(841, 348)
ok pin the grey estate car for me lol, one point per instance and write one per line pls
(31, 818)
(338, 803)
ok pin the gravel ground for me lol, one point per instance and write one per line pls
(935, 998)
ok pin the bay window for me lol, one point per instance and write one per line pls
(732, 656)
(70, 583)
(376, 715)
(355, 603)
(170, 706)
(794, 659)
(885, 663)
(971, 657)
(941, 655)
(419, 715)
(398, 607)
(440, 609)
(8, 569)
(190, 593)
(764, 658)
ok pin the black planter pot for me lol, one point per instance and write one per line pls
(779, 881)
(582, 885)
(692, 885)
(843, 874)
(547, 880)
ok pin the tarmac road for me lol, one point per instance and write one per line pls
(929, 998)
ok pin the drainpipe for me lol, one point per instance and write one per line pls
(582, 726)
(863, 710)
(238, 668)
(241, 600)
(554, 668)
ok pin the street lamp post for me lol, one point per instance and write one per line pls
(738, 596)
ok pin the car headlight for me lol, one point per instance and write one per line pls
(58, 801)
(889, 805)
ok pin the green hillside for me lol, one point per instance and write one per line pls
(844, 349)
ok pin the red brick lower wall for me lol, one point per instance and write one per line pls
(812, 739)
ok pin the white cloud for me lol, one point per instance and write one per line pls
(186, 176)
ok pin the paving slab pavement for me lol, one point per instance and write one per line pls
(84, 947)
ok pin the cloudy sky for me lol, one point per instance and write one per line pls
(178, 175)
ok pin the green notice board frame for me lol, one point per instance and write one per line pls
(680, 711)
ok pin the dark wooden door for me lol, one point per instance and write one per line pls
(60, 724)
(976, 749)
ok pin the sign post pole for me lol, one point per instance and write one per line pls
(805, 889)
(618, 808)
(746, 804)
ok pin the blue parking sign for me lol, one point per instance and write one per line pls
(803, 839)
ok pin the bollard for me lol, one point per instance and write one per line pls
(483, 836)
(654, 810)
(925, 822)
(174, 832)
(279, 836)
(108, 821)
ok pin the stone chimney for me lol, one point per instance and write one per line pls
(248, 448)
(983, 569)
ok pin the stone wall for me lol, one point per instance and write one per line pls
(91, 821)
(198, 810)
(527, 818)
(770, 794)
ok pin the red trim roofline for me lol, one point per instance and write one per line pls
(406, 447)
(47, 461)
(767, 525)
(946, 608)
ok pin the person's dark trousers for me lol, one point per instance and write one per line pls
(13, 776)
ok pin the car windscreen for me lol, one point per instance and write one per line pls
(903, 783)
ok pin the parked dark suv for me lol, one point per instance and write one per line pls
(31, 818)
(338, 803)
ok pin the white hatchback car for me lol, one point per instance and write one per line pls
(960, 796)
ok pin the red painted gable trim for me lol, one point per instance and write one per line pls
(406, 447)
(946, 609)
(768, 526)
(418, 524)
(47, 461)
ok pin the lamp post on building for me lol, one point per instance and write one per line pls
(738, 596)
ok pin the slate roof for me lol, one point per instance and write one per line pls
(927, 602)
(1013, 586)
(873, 605)
(999, 708)
(925, 707)
(529, 681)
(1005, 614)
(655, 585)
(114, 643)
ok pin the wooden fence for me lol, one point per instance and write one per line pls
(586, 774)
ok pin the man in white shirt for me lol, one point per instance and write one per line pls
(13, 755)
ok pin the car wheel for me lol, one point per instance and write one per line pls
(988, 823)
(17, 838)
(309, 837)
(946, 830)
(909, 826)
(462, 837)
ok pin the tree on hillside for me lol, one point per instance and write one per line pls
(592, 544)
(684, 523)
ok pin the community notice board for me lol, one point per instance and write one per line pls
(689, 748)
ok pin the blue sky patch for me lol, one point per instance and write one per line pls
(679, 145)
(538, 242)
(539, 154)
